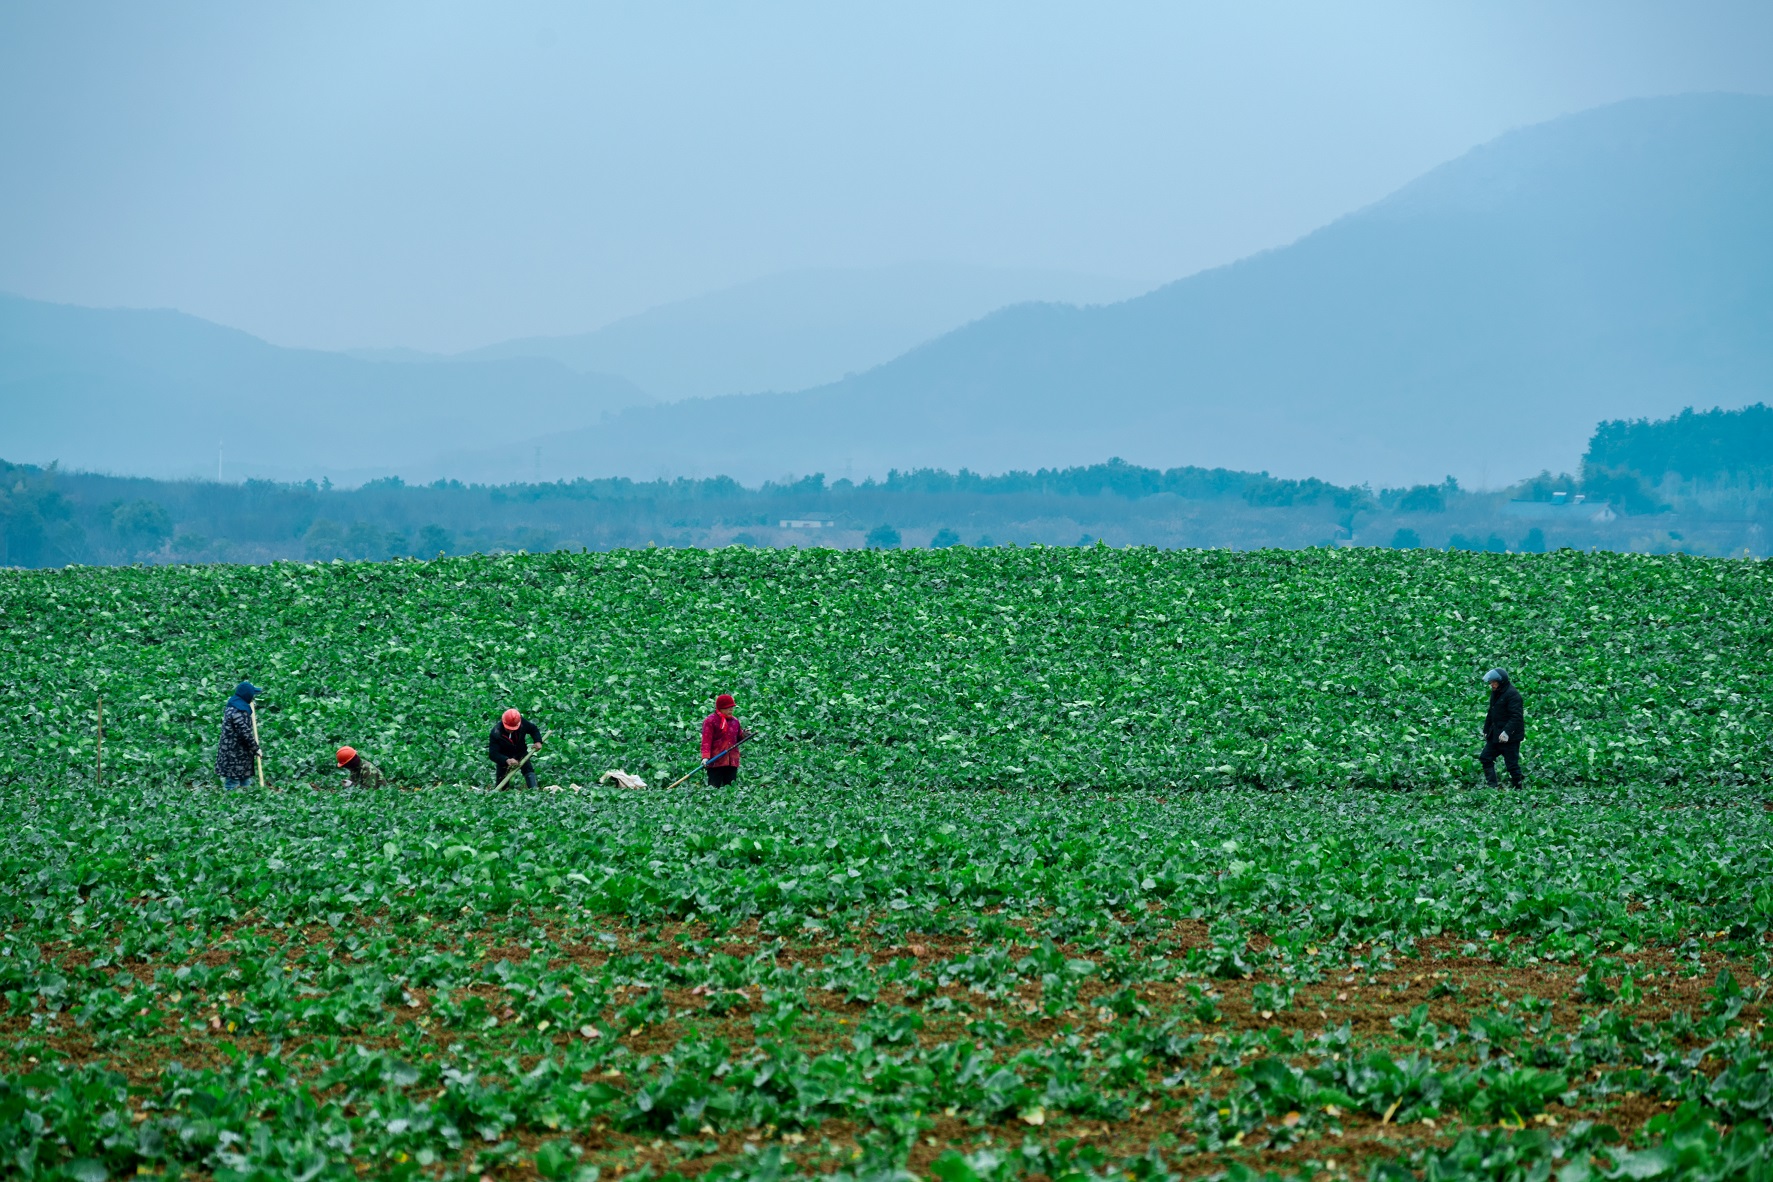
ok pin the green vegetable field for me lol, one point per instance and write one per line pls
(1069, 864)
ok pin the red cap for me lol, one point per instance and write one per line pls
(346, 755)
(512, 720)
(724, 702)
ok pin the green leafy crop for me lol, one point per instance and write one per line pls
(1063, 864)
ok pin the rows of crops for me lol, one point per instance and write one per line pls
(1004, 668)
(1050, 864)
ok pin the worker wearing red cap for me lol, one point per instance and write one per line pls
(359, 772)
(721, 732)
(510, 743)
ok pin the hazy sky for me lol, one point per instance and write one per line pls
(443, 176)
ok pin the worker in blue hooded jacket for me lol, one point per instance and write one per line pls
(239, 748)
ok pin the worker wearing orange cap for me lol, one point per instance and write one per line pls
(509, 746)
(359, 772)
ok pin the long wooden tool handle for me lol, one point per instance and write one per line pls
(704, 764)
(514, 770)
(257, 759)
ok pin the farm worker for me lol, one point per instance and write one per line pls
(721, 733)
(235, 753)
(1504, 726)
(510, 743)
(359, 772)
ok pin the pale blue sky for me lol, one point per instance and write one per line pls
(443, 176)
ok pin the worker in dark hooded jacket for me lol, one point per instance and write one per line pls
(235, 754)
(1504, 727)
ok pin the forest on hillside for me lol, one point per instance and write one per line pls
(1699, 482)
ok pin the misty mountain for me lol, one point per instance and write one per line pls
(802, 328)
(1478, 322)
(152, 393)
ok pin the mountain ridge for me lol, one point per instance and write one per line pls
(1616, 263)
(156, 392)
(1479, 320)
(802, 328)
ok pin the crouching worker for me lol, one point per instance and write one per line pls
(509, 747)
(238, 750)
(359, 772)
(1504, 727)
(721, 736)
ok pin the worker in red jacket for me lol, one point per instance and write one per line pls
(721, 732)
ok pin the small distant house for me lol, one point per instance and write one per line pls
(1542, 510)
(804, 523)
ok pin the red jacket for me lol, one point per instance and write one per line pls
(717, 735)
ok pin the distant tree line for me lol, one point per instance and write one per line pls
(1698, 481)
(1712, 445)
(52, 518)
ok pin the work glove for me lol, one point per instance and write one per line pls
(1503, 736)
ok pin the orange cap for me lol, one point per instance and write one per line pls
(512, 720)
(346, 755)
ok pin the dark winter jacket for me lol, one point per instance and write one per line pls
(1506, 714)
(234, 755)
(504, 744)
